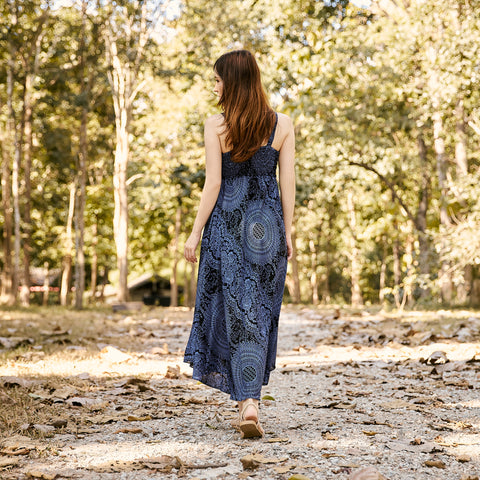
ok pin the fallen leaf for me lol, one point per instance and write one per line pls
(64, 393)
(17, 445)
(90, 403)
(59, 423)
(129, 430)
(133, 418)
(463, 458)
(160, 350)
(284, 469)
(6, 400)
(369, 433)
(278, 440)
(43, 428)
(10, 343)
(268, 397)
(164, 463)
(416, 441)
(40, 474)
(251, 462)
(8, 462)
(114, 355)
(329, 436)
(10, 382)
(298, 476)
(173, 373)
(116, 467)
(394, 404)
(435, 463)
(437, 358)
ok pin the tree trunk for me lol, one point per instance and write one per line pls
(17, 155)
(46, 286)
(94, 266)
(125, 86)
(326, 294)
(67, 259)
(444, 276)
(435, 87)
(174, 277)
(120, 216)
(186, 287)
(80, 214)
(293, 279)
(421, 218)
(27, 221)
(193, 284)
(461, 160)
(313, 277)
(31, 69)
(356, 267)
(397, 271)
(461, 163)
(82, 169)
(7, 295)
(383, 273)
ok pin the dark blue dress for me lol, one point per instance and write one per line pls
(241, 278)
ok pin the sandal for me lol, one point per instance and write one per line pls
(250, 428)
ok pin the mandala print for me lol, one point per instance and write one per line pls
(241, 278)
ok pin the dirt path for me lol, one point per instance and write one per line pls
(102, 396)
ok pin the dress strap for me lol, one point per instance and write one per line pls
(272, 135)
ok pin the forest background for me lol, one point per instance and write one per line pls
(102, 105)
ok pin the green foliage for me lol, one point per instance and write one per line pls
(358, 85)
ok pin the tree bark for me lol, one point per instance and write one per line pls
(174, 277)
(17, 159)
(27, 156)
(313, 276)
(461, 160)
(67, 259)
(461, 163)
(123, 79)
(355, 265)
(293, 279)
(421, 216)
(94, 266)
(46, 285)
(7, 295)
(82, 168)
(397, 271)
(193, 284)
(383, 273)
(30, 64)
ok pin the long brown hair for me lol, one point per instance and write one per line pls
(248, 116)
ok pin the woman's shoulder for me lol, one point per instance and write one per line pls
(215, 121)
(284, 128)
(284, 120)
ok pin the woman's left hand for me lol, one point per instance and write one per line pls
(190, 247)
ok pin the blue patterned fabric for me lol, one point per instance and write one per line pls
(241, 278)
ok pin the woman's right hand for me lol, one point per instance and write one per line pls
(289, 246)
(190, 247)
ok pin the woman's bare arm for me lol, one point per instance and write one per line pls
(286, 164)
(213, 180)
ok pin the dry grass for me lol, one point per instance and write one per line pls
(60, 348)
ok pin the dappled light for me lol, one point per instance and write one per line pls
(396, 392)
(358, 208)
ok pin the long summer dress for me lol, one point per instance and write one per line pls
(241, 278)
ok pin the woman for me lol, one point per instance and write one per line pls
(246, 239)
